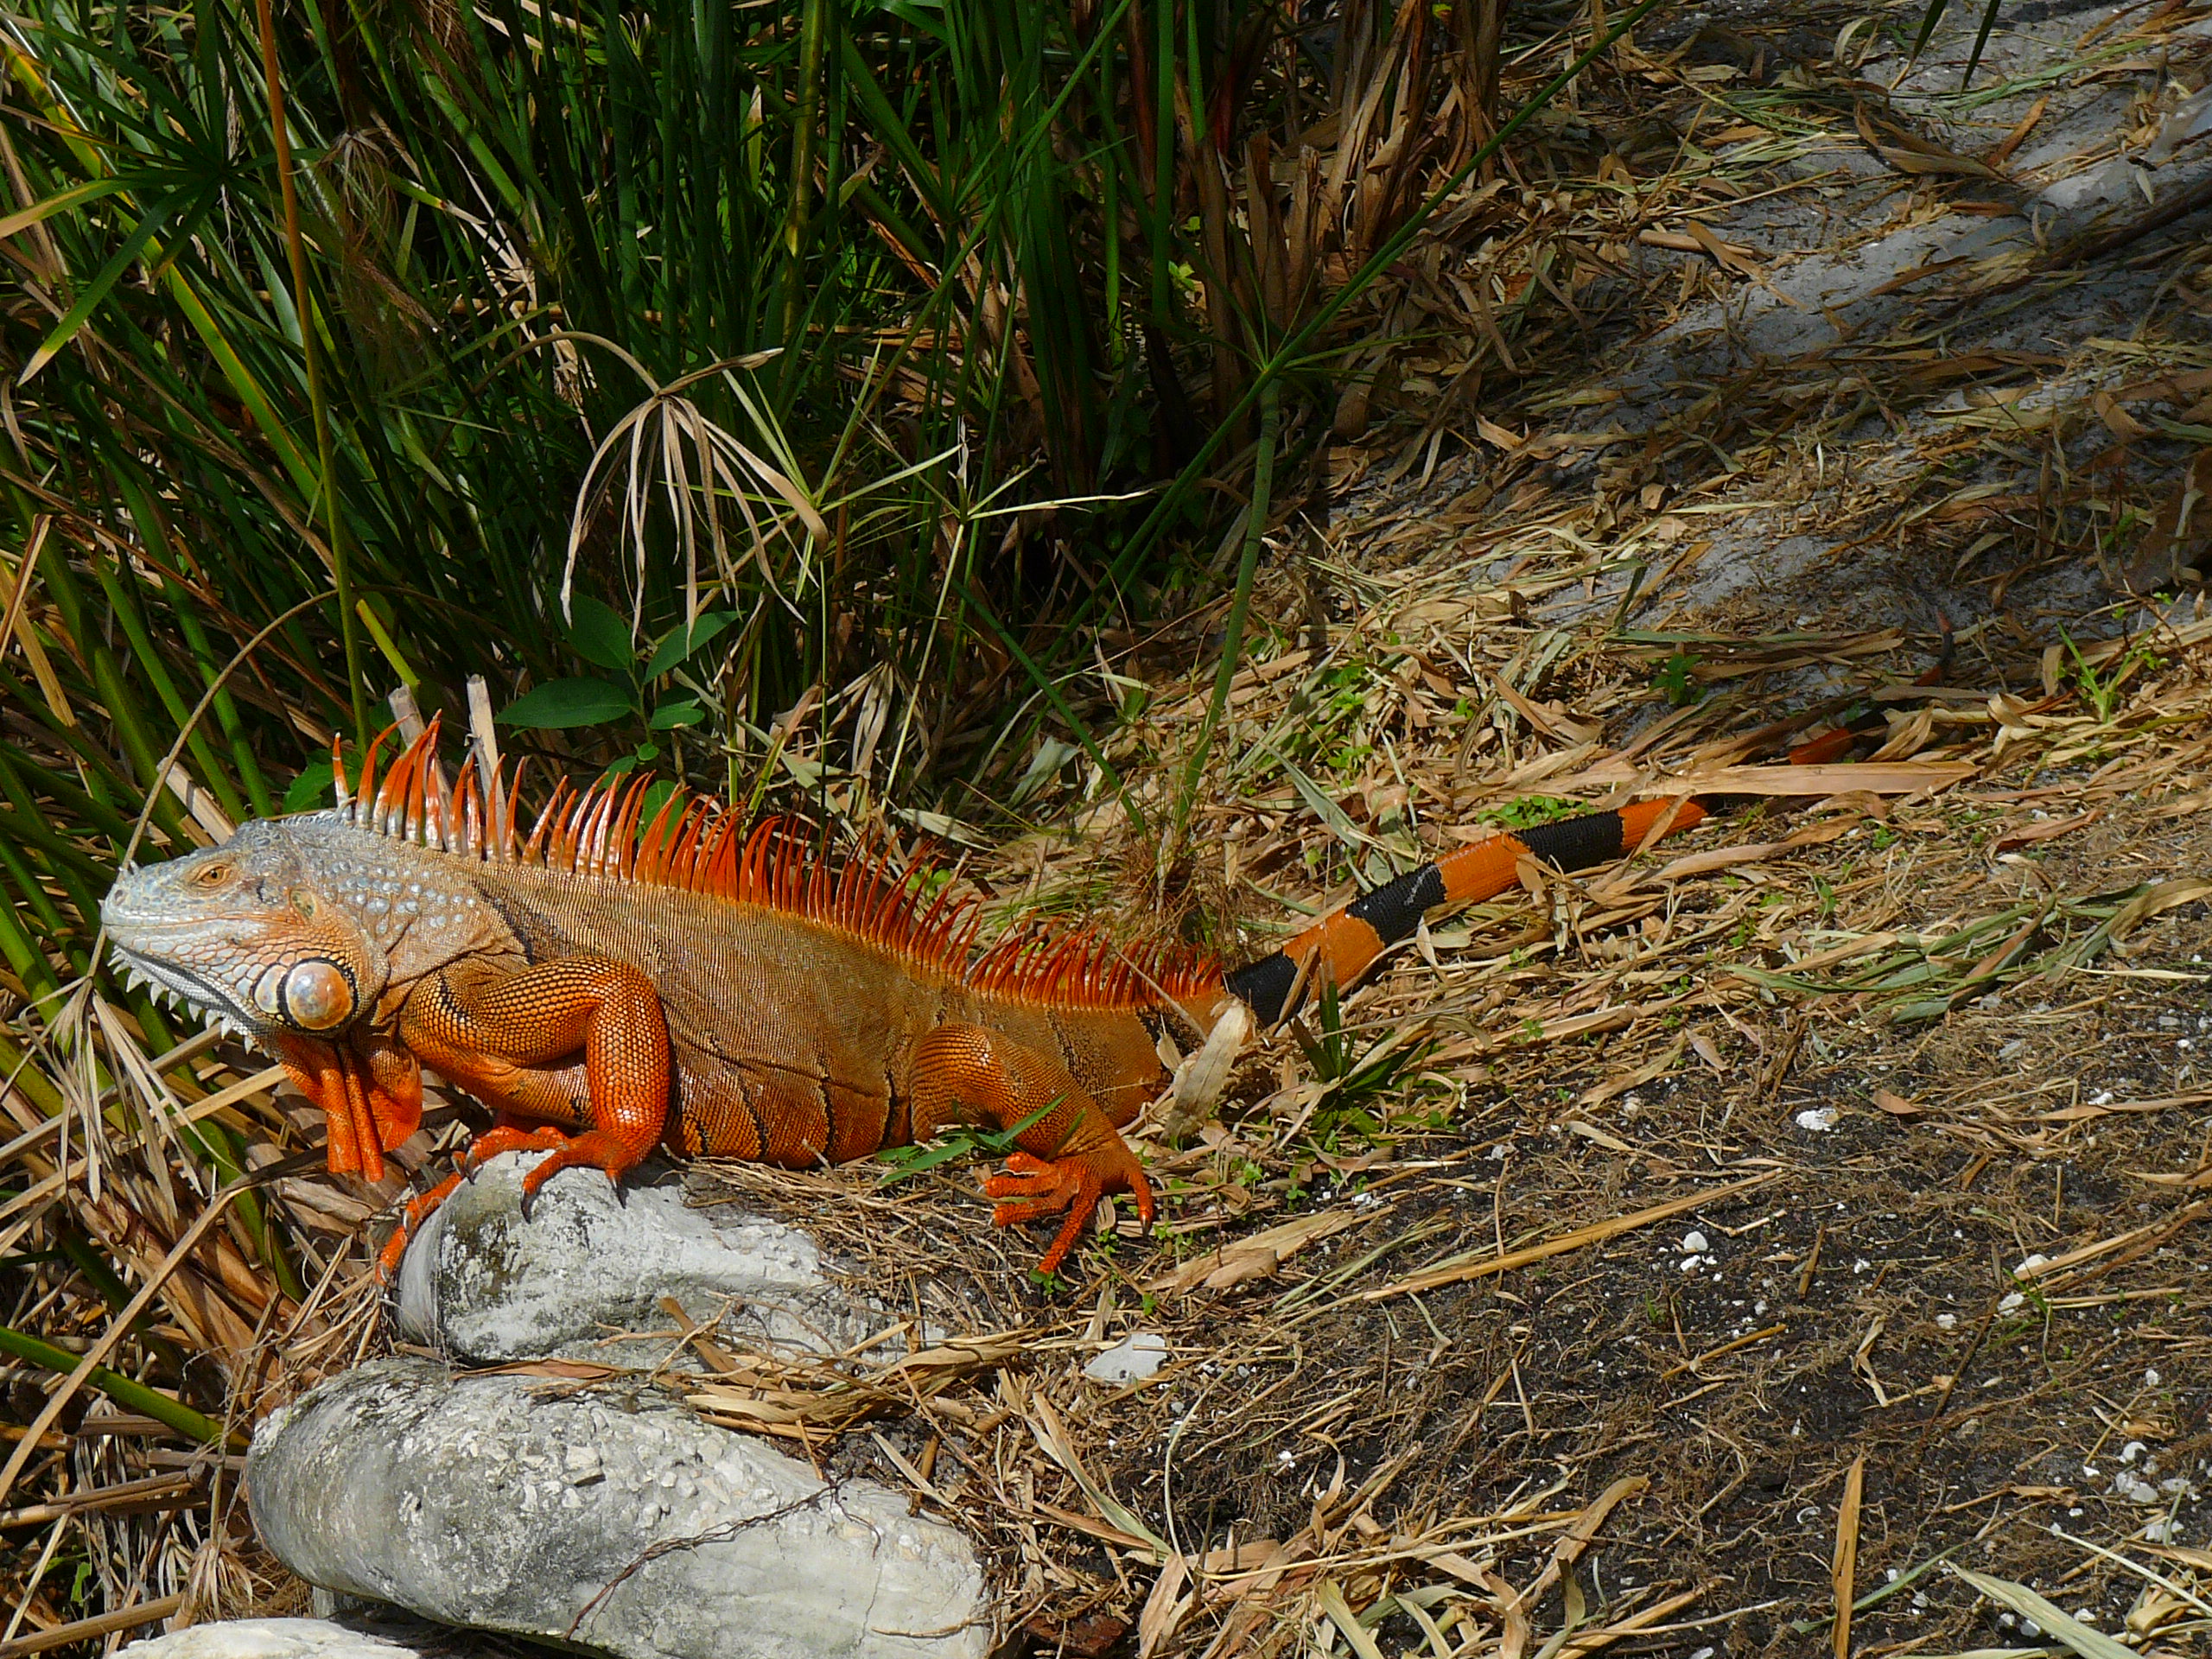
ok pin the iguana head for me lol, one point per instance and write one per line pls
(253, 933)
(246, 934)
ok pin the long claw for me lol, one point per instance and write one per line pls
(417, 1210)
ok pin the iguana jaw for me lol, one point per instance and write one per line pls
(182, 989)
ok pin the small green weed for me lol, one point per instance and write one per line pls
(1676, 680)
(1359, 1083)
(901, 1163)
(2101, 690)
(1529, 812)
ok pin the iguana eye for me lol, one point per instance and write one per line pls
(213, 875)
(318, 994)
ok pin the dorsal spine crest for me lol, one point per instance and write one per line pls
(691, 844)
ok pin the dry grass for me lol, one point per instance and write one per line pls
(1432, 1342)
(1440, 1382)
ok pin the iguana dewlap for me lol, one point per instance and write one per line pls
(609, 985)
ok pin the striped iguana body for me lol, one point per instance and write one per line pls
(609, 985)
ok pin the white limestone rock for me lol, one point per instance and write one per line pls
(462, 1499)
(485, 1283)
(267, 1638)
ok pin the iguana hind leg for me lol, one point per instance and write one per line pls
(1070, 1157)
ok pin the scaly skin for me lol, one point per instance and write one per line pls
(610, 987)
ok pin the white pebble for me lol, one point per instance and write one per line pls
(1818, 1119)
(1695, 1244)
(1130, 1360)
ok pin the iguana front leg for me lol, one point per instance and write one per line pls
(1070, 1156)
(372, 1095)
(504, 1034)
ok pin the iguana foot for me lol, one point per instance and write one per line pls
(592, 1149)
(1033, 1186)
(394, 1248)
(508, 1137)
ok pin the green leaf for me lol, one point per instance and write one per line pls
(680, 646)
(75, 196)
(600, 636)
(670, 715)
(134, 248)
(560, 703)
(134, 1396)
(930, 19)
(310, 789)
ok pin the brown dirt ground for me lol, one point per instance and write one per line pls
(1860, 1303)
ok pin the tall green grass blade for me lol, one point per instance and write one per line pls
(1232, 644)
(133, 1396)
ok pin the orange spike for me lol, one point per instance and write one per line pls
(477, 829)
(693, 841)
(437, 795)
(754, 870)
(560, 836)
(365, 793)
(682, 835)
(508, 831)
(391, 794)
(536, 850)
(590, 829)
(472, 820)
(577, 830)
(569, 833)
(605, 850)
(337, 776)
(415, 811)
(724, 861)
(650, 860)
(626, 827)
(398, 798)
(591, 835)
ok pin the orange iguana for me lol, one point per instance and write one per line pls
(609, 985)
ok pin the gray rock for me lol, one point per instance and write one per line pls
(267, 1638)
(485, 1283)
(600, 1516)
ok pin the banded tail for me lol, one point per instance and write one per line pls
(1344, 943)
